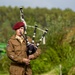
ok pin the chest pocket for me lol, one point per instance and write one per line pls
(17, 46)
(19, 49)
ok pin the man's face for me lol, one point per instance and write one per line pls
(20, 31)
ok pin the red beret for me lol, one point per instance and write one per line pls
(18, 25)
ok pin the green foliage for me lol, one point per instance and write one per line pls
(54, 52)
(4, 64)
(69, 59)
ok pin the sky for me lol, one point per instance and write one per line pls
(62, 4)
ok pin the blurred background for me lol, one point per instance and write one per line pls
(58, 54)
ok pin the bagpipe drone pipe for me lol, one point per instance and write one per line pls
(31, 47)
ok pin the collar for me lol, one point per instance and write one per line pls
(19, 38)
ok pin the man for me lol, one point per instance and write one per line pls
(17, 52)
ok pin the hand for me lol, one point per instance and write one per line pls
(31, 57)
(26, 61)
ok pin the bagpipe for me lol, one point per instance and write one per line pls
(31, 47)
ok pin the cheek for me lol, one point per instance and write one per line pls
(22, 31)
(18, 32)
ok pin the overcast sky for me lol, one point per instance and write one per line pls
(62, 4)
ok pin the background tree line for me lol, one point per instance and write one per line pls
(59, 47)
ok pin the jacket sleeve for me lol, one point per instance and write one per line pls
(11, 53)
